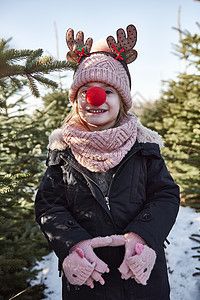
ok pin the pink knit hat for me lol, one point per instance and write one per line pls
(107, 65)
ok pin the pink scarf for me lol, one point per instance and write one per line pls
(99, 151)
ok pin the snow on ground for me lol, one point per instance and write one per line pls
(181, 264)
(179, 254)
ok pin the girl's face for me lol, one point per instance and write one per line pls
(99, 117)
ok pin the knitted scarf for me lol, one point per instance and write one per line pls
(99, 151)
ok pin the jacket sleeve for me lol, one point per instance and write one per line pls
(51, 209)
(159, 213)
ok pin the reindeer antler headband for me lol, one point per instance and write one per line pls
(122, 49)
(77, 46)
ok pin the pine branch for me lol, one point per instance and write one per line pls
(16, 82)
(196, 238)
(13, 54)
(48, 65)
(47, 82)
(32, 68)
(20, 293)
(34, 55)
(32, 86)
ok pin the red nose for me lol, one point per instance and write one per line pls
(95, 96)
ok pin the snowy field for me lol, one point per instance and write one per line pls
(179, 254)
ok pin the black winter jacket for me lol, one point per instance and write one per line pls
(143, 198)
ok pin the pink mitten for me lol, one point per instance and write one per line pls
(131, 240)
(100, 267)
(77, 268)
(117, 240)
(142, 263)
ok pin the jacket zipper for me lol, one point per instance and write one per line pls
(106, 198)
(88, 178)
(107, 201)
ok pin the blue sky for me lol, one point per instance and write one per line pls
(31, 25)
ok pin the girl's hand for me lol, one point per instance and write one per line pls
(131, 240)
(77, 268)
(142, 263)
(87, 247)
(117, 240)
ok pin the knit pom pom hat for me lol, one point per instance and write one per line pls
(106, 63)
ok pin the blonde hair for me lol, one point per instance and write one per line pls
(74, 113)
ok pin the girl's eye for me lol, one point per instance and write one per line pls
(83, 92)
(108, 92)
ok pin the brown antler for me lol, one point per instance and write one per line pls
(125, 43)
(77, 46)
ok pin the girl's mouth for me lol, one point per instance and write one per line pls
(96, 111)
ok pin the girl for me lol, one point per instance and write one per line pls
(107, 202)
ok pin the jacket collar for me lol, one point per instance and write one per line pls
(146, 149)
(56, 157)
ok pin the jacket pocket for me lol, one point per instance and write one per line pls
(139, 181)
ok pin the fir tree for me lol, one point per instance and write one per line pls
(23, 149)
(176, 116)
(21, 158)
(59, 107)
(23, 142)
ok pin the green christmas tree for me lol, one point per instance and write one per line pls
(21, 167)
(59, 107)
(176, 116)
(23, 141)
